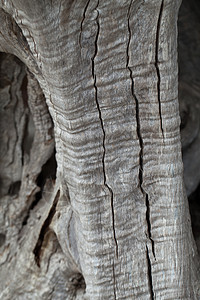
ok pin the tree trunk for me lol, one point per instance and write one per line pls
(114, 221)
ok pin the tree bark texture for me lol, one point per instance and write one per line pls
(116, 224)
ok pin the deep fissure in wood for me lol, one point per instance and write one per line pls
(82, 21)
(141, 143)
(44, 229)
(103, 144)
(149, 225)
(104, 134)
(157, 64)
(149, 274)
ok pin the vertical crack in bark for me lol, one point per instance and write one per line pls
(150, 274)
(104, 148)
(104, 135)
(157, 64)
(141, 153)
(38, 247)
(149, 223)
(83, 18)
(136, 104)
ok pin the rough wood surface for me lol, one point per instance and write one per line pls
(116, 224)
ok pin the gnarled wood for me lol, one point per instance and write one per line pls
(117, 224)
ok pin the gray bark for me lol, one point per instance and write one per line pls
(114, 223)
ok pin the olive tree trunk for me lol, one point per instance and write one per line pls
(101, 81)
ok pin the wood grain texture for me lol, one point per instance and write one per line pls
(108, 70)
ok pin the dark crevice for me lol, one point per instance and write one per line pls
(14, 188)
(138, 131)
(77, 281)
(24, 91)
(48, 172)
(140, 175)
(28, 134)
(81, 27)
(194, 206)
(2, 239)
(104, 135)
(149, 225)
(150, 274)
(157, 64)
(44, 230)
(136, 106)
(104, 148)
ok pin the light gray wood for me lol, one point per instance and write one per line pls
(116, 224)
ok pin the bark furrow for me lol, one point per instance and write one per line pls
(141, 154)
(157, 65)
(104, 147)
(82, 21)
(44, 229)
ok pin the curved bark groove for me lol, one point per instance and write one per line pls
(13, 41)
(119, 224)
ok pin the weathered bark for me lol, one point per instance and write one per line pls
(116, 224)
